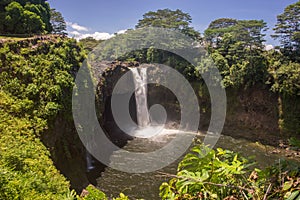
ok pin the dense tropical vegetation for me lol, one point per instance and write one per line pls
(36, 84)
(37, 78)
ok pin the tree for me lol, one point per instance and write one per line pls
(90, 43)
(287, 30)
(32, 22)
(216, 30)
(19, 20)
(251, 32)
(42, 10)
(236, 47)
(247, 31)
(16, 16)
(23, 2)
(169, 19)
(58, 23)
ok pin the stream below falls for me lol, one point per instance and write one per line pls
(146, 185)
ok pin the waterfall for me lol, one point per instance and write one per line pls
(89, 162)
(140, 81)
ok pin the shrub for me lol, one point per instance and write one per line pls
(222, 174)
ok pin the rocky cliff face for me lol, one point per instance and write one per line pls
(253, 114)
(253, 109)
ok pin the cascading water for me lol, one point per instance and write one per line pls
(89, 162)
(148, 126)
(140, 81)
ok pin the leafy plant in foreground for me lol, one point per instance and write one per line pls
(216, 175)
(221, 174)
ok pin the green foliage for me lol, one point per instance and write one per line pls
(117, 49)
(287, 30)
(44, 76)
(121, 197)
(35, 85)
(236, 47)
(170, 19)
(89, 43)
(58, 23)
(208, 174)
(94, 194)
(26, 171)
(221, 174)
(249, 32)
(284, 179)
(286, 77)
(24, 17)
(294, 142)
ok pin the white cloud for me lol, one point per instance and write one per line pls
(77, 27)
(75, 33)
(269, 47)
(96, 35)
(121, 31)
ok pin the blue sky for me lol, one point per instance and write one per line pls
(102, 18)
